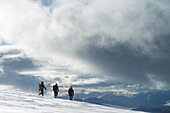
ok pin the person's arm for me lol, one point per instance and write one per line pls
(73, 92)
(45, 87)
(40, 87)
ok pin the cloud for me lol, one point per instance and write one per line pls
(13, 61)
(118, 40)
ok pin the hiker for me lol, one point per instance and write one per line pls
(71, 93)
(56, 90)
(41, 88)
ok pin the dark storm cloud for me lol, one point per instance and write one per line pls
(19, 64)
(120, 61)
(12, 65)
(15, 59)
(139, 52)
(159, 66)
(18, 81)
(131, 65)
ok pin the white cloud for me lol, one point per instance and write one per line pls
(156, 83)
(53, 35)
(167, 104)
(6, 87)
(1, 71)
(73, 25)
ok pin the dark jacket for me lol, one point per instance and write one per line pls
(55, 88)
(71, 92)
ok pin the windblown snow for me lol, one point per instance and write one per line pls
(15, 101)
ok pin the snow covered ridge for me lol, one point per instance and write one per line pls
(12, 101)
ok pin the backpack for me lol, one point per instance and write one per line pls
(71, 92)
(55, 88)
(40, 86)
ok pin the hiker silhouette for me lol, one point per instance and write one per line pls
(41, 88)
(56, 90)
(71, 93)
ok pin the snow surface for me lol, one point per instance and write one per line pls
(12, 101)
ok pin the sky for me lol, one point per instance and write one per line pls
(93, 45)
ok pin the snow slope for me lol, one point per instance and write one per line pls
(20, 102)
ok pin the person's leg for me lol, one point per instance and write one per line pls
(54, 94)
(71, 97)
(42, 92)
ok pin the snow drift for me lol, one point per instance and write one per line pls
(12, 101)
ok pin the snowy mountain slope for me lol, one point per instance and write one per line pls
(21, 102)
(155, 101)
